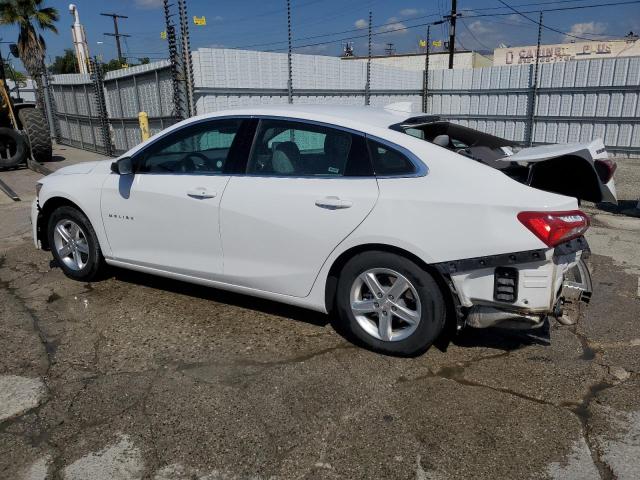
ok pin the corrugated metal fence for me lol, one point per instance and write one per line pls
(125, 93)
(573, 101)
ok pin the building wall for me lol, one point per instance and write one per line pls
(27, 92)
(566, 52)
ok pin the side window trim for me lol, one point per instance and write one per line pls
(168, 137)
(421, 169)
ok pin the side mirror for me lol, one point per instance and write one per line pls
(122, 166)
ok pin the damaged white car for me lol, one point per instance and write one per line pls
(335, 209)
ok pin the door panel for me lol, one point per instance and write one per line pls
(167, 214)
(277, 231)
(166, 221)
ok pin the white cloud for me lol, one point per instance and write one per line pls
(361, 23)
(393, 26)
(480, 28)
(409, 12)
(148, 3)
(580, 29)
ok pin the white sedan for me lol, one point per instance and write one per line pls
(330, 208)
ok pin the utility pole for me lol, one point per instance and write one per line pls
(116, 33)
(452, 31)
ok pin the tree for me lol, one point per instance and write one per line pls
(13, 74)
(111, 65)
(30, 16)
(66, 63)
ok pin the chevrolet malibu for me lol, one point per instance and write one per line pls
(335, 209)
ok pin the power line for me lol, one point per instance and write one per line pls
(497, 14)
(542, 25)
(473, 35)
(311, 37)
(532, 4)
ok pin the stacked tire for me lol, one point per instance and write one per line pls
(37, 131)
(13, 148)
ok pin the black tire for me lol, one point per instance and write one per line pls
(35, 126)
(95, 264)
(16, 145)
(433, 308)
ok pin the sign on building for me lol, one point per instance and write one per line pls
(565, 52)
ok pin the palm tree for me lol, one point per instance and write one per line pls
(30, 16)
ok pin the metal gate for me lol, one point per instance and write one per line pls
(77, 113)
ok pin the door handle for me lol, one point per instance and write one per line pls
(201, 193)
(333, 203)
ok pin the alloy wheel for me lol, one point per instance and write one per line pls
(71, 244)
(385, 304)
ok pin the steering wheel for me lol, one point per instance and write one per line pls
(188, 165)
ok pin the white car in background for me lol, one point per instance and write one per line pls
(330, 208)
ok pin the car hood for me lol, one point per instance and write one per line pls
(78, 168)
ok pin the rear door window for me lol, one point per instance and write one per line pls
(292, 148)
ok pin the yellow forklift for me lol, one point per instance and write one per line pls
(24, 131)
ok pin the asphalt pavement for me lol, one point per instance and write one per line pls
(141, 377)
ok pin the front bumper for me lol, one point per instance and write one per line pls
(533, 281)
(35, 210)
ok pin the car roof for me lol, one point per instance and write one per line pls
(370, 120)
(343, 115)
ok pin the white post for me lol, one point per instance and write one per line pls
(79, 40)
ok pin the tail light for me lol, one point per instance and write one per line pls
(605, 169)
(554, 228)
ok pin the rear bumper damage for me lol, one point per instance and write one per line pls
(517, 290)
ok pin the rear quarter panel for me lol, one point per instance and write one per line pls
(460, 209)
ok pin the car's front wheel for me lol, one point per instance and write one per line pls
(390, 304)
(74, 244)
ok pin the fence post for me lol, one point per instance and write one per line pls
(187, 64)
(289, 55)
(98, 91)
(174, 58)
(367, 87)
(425, 80)
(143, 119)
(49, 106)
(533, 99)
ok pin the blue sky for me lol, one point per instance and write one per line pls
(263, 23)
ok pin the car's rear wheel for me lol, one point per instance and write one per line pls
(389, 303)
(74, 244)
